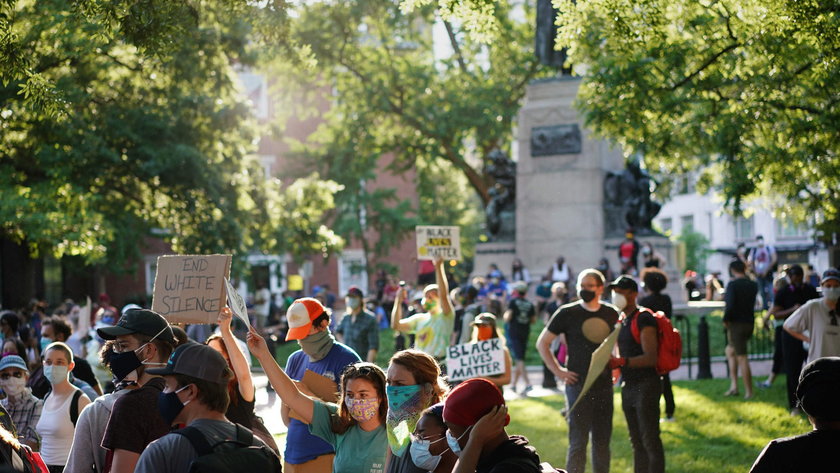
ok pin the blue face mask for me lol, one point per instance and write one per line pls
(455, 444)
(45, 342)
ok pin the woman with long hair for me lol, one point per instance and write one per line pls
(355, 426)
(484, 328)
(241, 386)
(414, 384)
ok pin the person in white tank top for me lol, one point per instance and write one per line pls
(55, 426)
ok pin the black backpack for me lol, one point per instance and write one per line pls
(229, 456)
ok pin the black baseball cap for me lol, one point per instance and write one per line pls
(624, 282)
(142, 321)
(195, 360)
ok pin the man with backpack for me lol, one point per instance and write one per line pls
(641, 387)
(196, 394)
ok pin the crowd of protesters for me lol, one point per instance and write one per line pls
(95, 388)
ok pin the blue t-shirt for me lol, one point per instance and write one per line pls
(301, 446)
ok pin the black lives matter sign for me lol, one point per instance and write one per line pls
(191, 288)
(438, 241)
(474, 360)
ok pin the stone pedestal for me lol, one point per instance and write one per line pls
(560, 176)
(501, 253)
(661, 245)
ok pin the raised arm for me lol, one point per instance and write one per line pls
(237, 358)
(443, 287)
(280, 381)
(397, 322)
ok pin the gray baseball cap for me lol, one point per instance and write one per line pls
(196, 360)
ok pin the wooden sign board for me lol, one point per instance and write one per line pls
(475, 360)
(438, 241)
(191, 288)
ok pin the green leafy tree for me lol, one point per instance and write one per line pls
(389, 87)
(139, 134)
(744, 90)
(696, 250)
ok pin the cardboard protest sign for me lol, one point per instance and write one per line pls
(322, 387)
(237, 303)
(599, 360)
(434, 241)
(190, 288)
(473, 360)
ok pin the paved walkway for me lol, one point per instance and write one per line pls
(268, 405)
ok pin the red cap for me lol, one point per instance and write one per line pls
(300, 316)
(472, 400)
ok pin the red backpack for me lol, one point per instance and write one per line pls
(669, 352)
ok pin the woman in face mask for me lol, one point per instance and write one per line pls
(484, 328)
(414, 384)
(429, 448)
(56, 425)
(354, 426)
(241, 387)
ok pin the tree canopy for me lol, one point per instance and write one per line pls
(122, 120)
(745, 91)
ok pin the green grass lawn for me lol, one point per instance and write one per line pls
(712, 433)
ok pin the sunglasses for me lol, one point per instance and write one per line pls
(16, 374)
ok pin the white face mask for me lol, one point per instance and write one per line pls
(454, 444)
(831, 293)
(422, 457)
(619, 301)
(13, 386)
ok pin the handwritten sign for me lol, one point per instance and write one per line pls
(190, 288)
(237, 303)
(474, 360)
(434, 241)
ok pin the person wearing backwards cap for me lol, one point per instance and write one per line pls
(476, 416)
(434, 326)
(196, 394)
(814, 451)
(309, 323)
(820, 317)
(141, 338)
(358, 328)
(641, 385)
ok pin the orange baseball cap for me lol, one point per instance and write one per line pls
(300, 316)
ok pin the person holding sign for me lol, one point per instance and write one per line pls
(434, 327)
(641, 385)
(585, 323)
(354, 427)
(484, 328)
(309, 324)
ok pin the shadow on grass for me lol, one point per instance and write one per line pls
(712, 433)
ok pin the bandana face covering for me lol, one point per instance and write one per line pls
(405, 405)
(317, 345)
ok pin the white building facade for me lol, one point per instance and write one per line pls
(794, 244)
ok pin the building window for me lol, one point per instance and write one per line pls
(666, 225)
(686, 223)
(744, 228)
(786, 228)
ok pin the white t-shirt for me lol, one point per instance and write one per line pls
(814, 317)
(264, 295)
(762, 259)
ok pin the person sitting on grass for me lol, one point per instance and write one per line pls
(814, 451)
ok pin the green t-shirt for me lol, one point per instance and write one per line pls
(432, 332)
(356, 451)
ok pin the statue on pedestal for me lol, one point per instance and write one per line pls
(546, 35)
(627, 201)
(501, 210)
